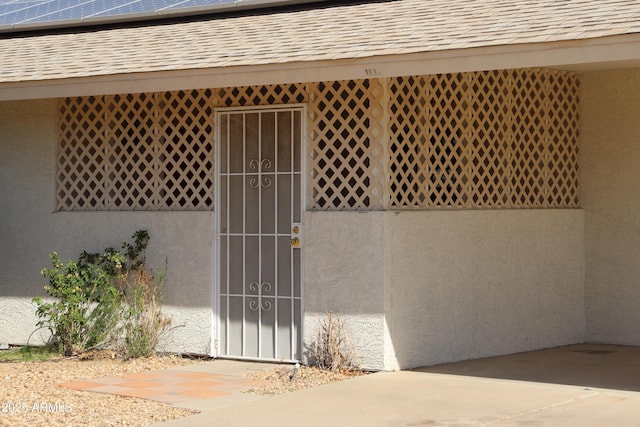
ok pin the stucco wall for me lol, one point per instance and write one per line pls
(420, 288)
(469, 284)
(344, 271)
(29, 230)
(414, 287)
(610, 175)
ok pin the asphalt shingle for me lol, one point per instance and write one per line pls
(321, 32)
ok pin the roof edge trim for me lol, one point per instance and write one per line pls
(576, 55)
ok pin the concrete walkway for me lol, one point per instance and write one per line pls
(583, 385)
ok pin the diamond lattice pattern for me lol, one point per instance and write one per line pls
(155, 151)
(506, 138)
(81, 155)
(136, 151)
(346, 133)
(260, 95)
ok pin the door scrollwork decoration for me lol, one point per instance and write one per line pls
(261, 303)
(260, 166)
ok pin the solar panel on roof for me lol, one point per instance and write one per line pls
(140, 6)
(190, 3)
(21, 15)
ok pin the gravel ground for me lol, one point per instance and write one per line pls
(281, 381)
(30, 395)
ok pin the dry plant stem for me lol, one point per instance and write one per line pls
(145, 324)
(333, 348)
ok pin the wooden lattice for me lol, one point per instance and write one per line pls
(506, 138)
(132, 155)
(346, 131)
(186, 157)
(260, 95)
(136, 151)
(147, 151)
(81, 155)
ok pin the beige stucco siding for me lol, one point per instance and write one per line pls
(420, 288)
(344, 272)
(610, 175)
(415, 287)
(30, 230)
(468, 284)
(27, 137)
(344, 261)
(27, 140)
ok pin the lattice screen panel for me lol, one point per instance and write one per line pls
(346, 131)
(261, 95)
(506, 138)
(82, 149)
(132, 155)
(136, 151)
(185, 163)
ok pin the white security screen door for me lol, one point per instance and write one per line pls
(259, 232)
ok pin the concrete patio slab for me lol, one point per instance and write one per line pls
(569, 386)
(601, 366)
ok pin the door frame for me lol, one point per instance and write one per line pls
(215, 350)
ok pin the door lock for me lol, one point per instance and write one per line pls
(296, 236)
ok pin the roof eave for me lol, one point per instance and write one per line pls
(597, 53)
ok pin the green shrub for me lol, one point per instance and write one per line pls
(105, 300)
(86, 306)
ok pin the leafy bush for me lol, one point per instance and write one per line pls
(105, 300)
(86, 304)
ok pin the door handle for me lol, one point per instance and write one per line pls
(296, 235)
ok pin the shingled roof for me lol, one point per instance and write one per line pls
(333, 31)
